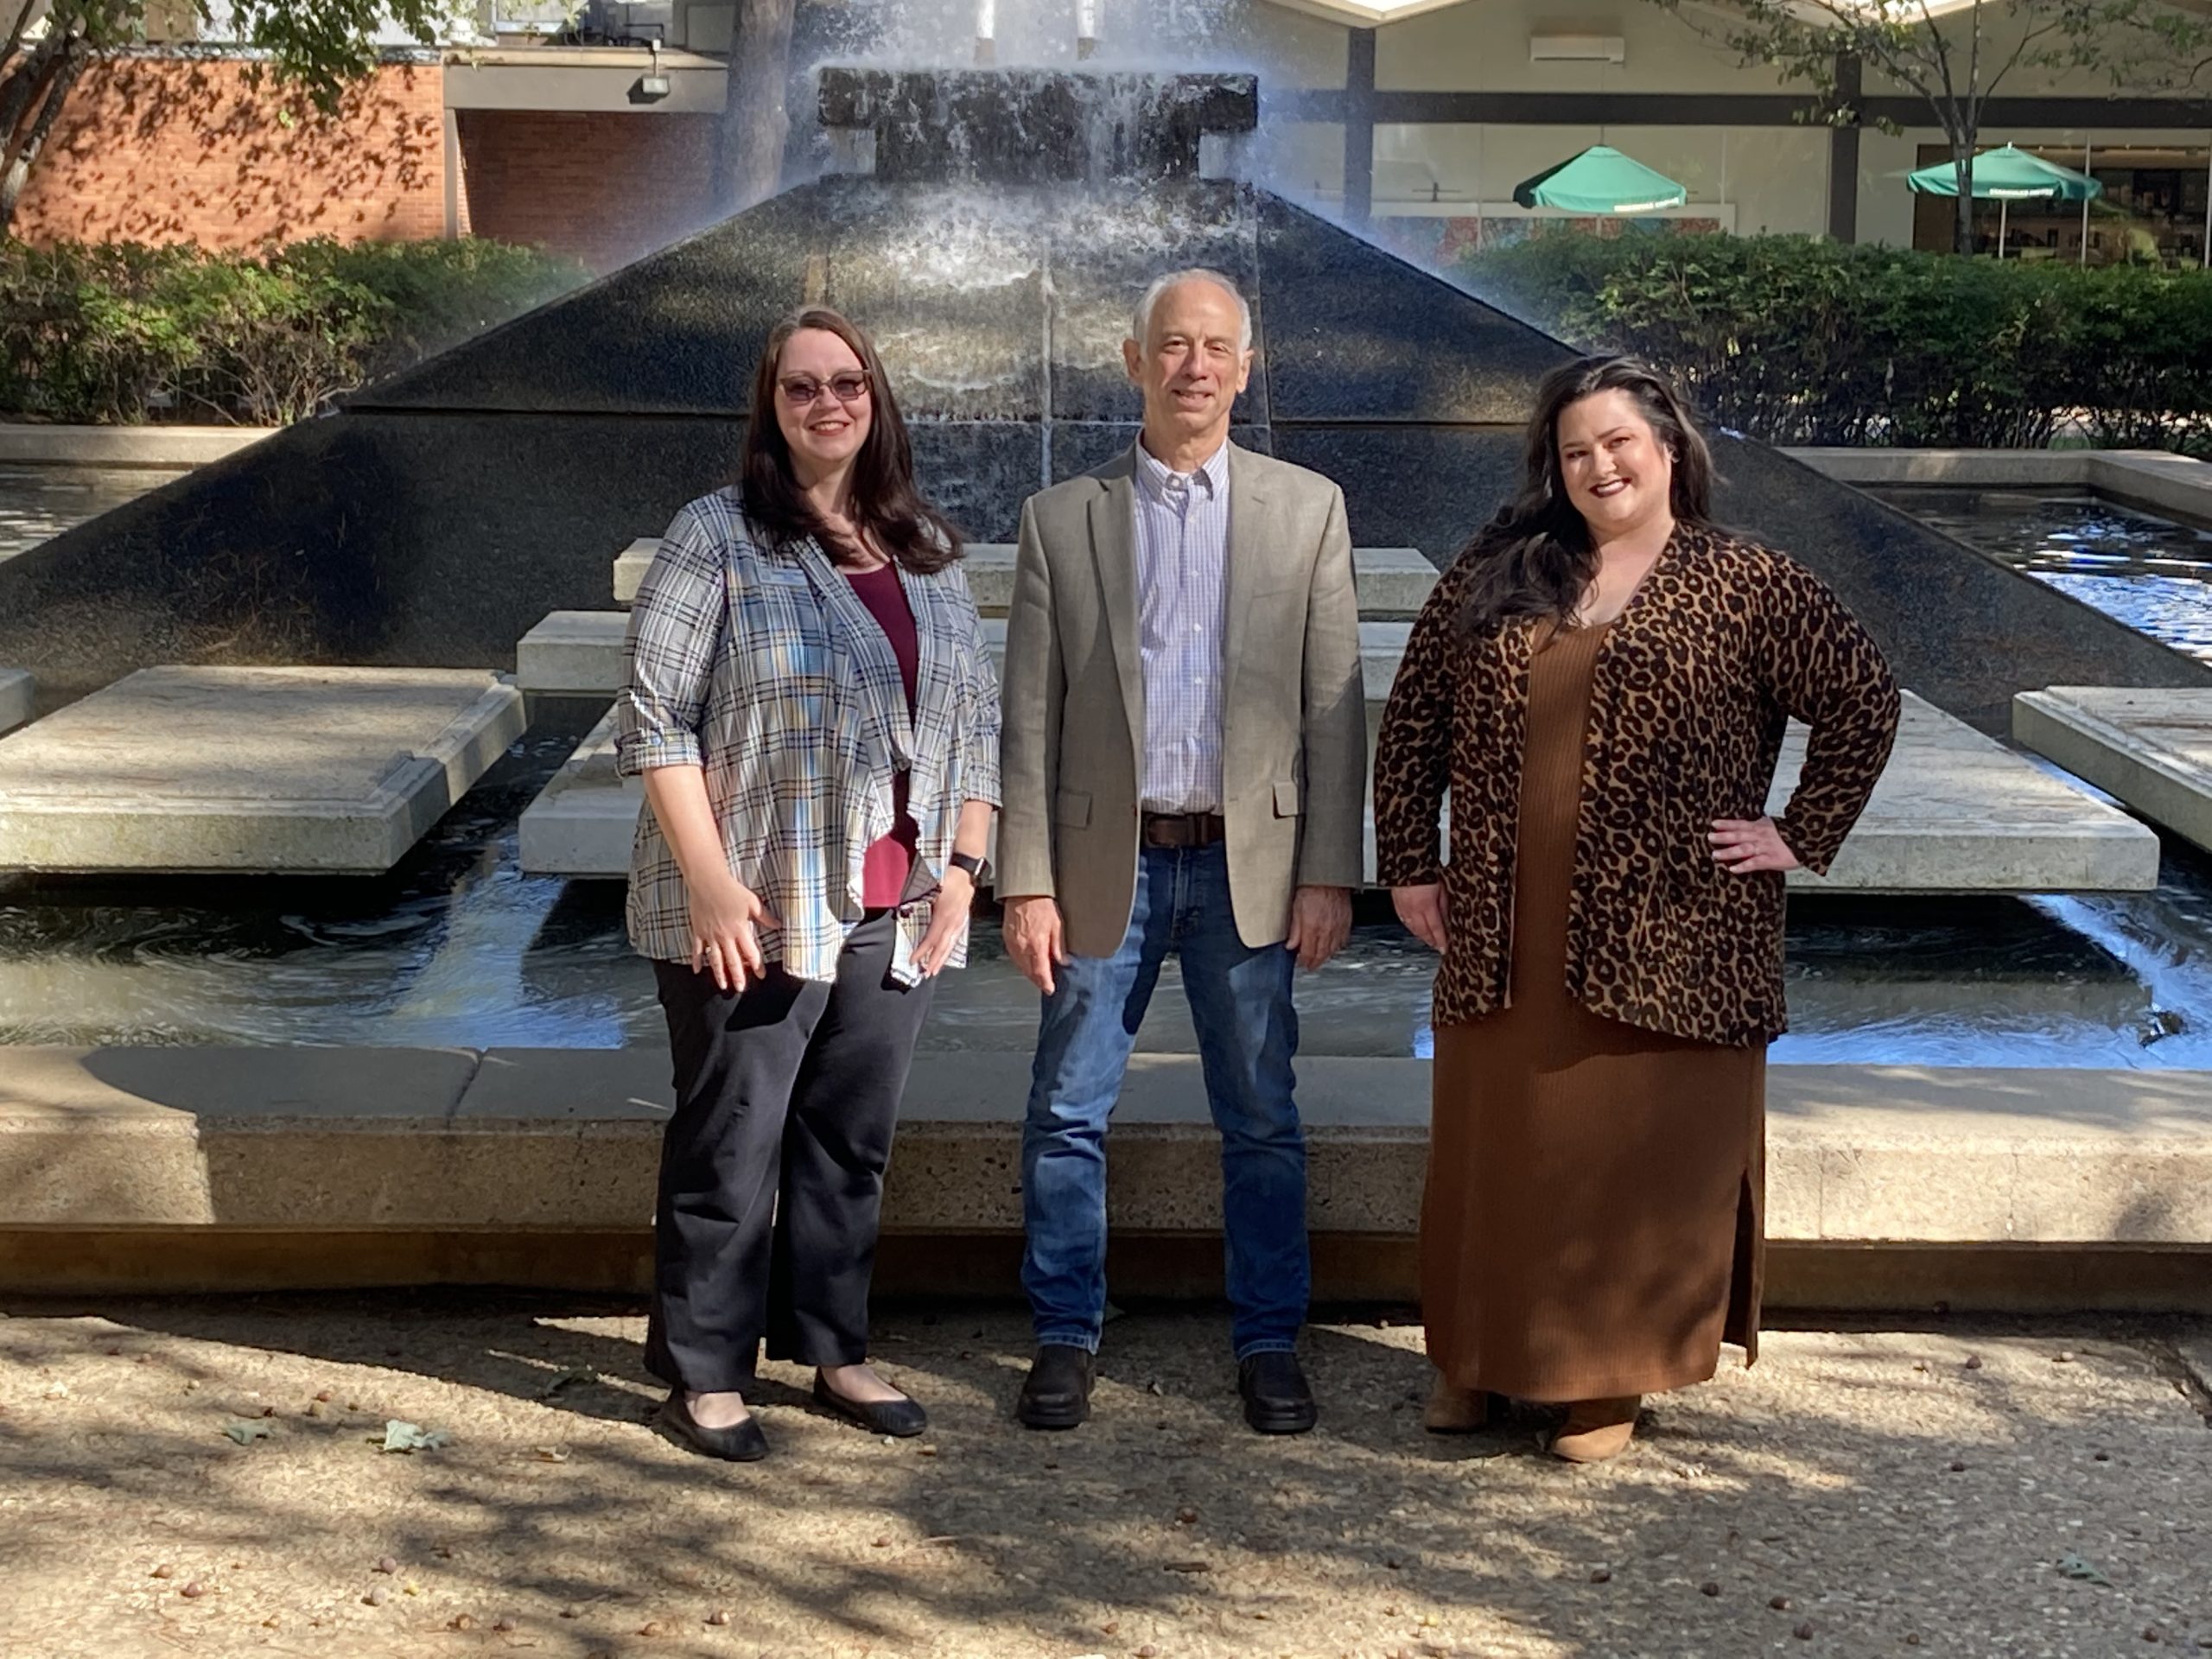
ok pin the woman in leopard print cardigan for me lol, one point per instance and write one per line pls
(1602, 681)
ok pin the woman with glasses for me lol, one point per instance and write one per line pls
(1602, 681)
(810, 705)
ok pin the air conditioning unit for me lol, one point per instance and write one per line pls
(1577, 48)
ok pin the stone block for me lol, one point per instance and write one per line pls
(583, 822)
(338, 1139)
(630, 566)
(16, 689)
(573, 653)
(1958, 812)
(2151, 748)
(325, 770)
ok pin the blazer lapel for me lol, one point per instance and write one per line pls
(1250, 543)
(1113, 545)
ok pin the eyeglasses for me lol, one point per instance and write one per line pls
(801, 389)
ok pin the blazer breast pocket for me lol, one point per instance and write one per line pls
(1072, 807)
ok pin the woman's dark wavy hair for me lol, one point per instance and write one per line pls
(1535, 557)
(885, 501)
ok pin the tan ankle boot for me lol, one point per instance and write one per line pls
(1454, 1411)
(1597, 1429)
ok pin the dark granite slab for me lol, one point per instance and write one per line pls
(1354, 333)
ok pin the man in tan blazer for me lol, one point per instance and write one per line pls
(1184, 759)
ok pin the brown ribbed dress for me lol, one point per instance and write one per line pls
(1591, 1226)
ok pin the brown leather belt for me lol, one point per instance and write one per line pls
(1182, 829)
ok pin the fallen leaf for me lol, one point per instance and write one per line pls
(551, 1453)
(245, 1433)
(410, 1437)
(574, 1374)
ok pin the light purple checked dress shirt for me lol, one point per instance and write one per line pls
(1182, 548)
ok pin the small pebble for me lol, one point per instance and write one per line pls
(1957, 1467)
(2150, 1633)
(194, 1591)
(272, 1622)
(377, 1596)
(315, 1408)
(460, 1621)
(651, 1627)
(1186, 1518)
(1973, 1362)
(1111, 1627)
(385, 1564)
(880, 1543)
(720, 1615)
(1147, 1651)
(928, 1451)
(1804, 1632)
(2064, 1356)
(572, 1612)
(503, 1626)
(165, 1571)
(2104, 1457)
(1708, 1588)
(323, 1394)
(1601, 1576)
(1912, 1638)
(1779, 1604)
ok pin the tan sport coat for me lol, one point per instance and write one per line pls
(1294, 714)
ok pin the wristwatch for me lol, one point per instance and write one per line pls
(970, 863)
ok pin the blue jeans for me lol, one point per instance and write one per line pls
(1247, 1031)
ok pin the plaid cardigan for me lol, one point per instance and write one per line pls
(766, 671)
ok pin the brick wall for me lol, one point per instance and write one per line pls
(607, 187)
(172, 150)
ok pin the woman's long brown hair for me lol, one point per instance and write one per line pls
(1536, 559)
(886, 504)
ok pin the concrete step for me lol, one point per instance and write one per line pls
(339, 1141)
(2151, 748)
(1392, 580)
(1955, 813)
(573, 653)
(326, 769)
(16, 690)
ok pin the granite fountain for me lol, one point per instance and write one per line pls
(456, 534)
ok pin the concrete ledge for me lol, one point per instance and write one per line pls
(2152, 749)
(2152, 479)
(124, 446)
(546, 1139)
(17, 691)
(336, 770)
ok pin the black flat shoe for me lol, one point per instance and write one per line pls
(1056, 1393)
(902, 1417)
(1276, 1398)
(742, 1442)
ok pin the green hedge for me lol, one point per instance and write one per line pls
(1799, 340)
(120, 332)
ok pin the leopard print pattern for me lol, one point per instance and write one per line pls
(1725, 641)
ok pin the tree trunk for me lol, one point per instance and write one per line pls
(1962, 225)
(35, 103)
(749, 158)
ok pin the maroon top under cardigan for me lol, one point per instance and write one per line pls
(889, 860)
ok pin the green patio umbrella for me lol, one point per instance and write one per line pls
(2005, 176)
(1600, 180)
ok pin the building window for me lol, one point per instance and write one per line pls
(2152, 212)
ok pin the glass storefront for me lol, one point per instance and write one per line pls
(2153, 212)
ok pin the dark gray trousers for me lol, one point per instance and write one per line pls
(772, 1170)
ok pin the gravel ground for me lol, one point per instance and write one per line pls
(205, 1477)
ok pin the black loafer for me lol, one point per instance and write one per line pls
(1276, 1398)
(740, 1442)
(1056, 1393)
(902, 1417)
